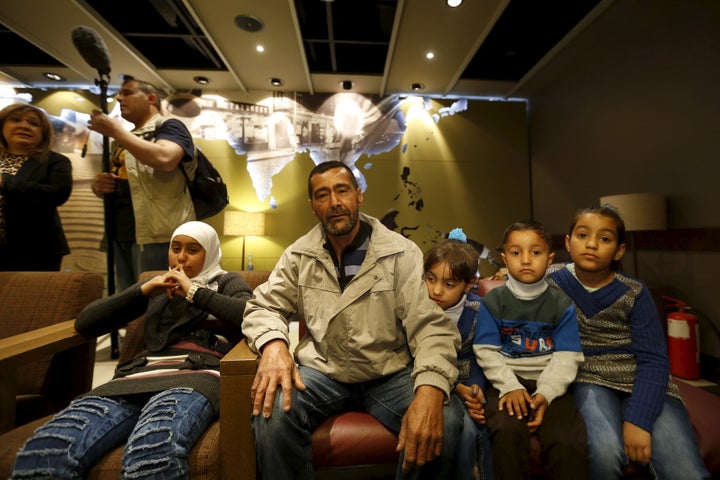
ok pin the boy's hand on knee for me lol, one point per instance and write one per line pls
(538, 407)
(516, 403)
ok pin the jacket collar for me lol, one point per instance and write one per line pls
(383, 242)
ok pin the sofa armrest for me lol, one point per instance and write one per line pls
(60, 339)
(237, 371)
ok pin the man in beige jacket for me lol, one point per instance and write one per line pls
(375, 340)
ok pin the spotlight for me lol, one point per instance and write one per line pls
(201, 80)
(417, 86)
(276, 82)
(54, 76)
(347, 84)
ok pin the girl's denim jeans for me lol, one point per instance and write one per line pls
(675, 452)
(159, 436)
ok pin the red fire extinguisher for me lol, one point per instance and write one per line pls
(683, 340)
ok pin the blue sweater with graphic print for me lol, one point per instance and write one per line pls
(536, 339)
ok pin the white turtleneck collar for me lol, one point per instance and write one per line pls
(526, 291)
(454, 312)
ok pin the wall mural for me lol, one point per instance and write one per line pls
(269, 132)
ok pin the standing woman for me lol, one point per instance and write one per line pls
(33, 182)
(159, 403)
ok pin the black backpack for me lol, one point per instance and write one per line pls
(207, 189)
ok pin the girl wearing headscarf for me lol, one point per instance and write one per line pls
(160, 402)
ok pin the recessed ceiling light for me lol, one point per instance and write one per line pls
(347, 84)
(276, 82)
(53, 76)
(429, 55)
(260, 49)
(417, 86)
(201, 80)
(249, 23)
(454, 3)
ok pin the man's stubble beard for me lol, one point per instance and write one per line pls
(331, 230)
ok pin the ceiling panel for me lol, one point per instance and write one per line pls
(524, 33)
(482, 48)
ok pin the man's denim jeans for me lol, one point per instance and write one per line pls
(283, 441)
(674, 450)
(159, 437)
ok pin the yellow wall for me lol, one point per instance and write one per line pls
(472, 169)
(53, 101)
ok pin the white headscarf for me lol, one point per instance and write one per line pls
(207, 237)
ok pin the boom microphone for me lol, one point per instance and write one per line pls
(92, 48)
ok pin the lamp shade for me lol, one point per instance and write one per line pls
(243, 224)
(639, 211)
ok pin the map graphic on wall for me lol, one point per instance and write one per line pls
(271, 131)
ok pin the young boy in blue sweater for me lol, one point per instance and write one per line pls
(528, 346)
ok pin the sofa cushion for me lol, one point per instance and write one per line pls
(704, 410)
(351, 439)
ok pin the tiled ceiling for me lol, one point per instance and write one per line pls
(482, 48)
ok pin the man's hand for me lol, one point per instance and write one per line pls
(516, 403)
(538, 407)
(276, 367)
(103, 124)
(474, 400)
(638, 443)
(421, 433)
(103, 183)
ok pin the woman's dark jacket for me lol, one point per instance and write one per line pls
(32, 197)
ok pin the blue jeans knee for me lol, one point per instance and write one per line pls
(169, 425)
(76, 438)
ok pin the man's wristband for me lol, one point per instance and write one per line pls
(191, 292)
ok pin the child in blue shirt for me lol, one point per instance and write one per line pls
(527, 344)
(450, 267)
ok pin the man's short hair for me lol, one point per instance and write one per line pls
(329, 165)
(146, 87)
